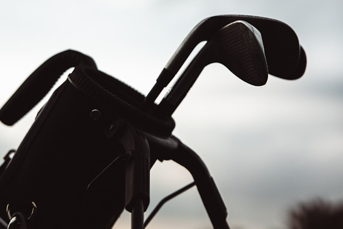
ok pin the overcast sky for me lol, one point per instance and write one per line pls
(267, 147)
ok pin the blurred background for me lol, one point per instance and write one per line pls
(268, 148)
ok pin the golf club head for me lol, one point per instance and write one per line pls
(238, 46)
(301, 67)
(282, 48)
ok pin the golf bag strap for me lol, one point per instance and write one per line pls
(39, 83)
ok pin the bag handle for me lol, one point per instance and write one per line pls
(39, 83)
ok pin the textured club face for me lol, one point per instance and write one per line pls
(240, 49)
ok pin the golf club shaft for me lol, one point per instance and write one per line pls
(179, 91)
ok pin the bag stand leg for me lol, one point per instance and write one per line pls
(173, 149)
(137, 216)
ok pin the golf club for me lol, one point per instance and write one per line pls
(238, 46)
(281, 45)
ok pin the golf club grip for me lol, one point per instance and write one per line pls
(39, 83)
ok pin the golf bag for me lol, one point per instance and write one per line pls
(70, 169)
